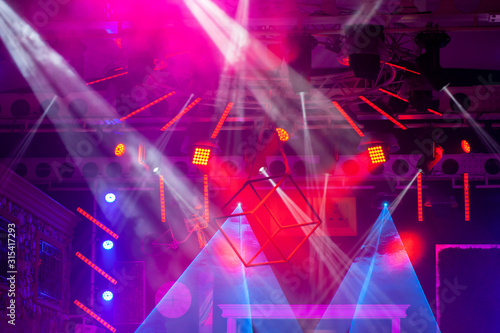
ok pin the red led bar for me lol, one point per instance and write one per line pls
(222, 119)
(201, 156)
(419, 194)
(392, 94)
(106, 78)
(205, 194)
(183, 112)
(156, 101)
(401, 67)
(162, 199)
(349, 120)
(99, 224)
(377, 154)
(141, 156)
(435, 112)
(96, 317)
(95, 267)
(466, 196)
(382, 112)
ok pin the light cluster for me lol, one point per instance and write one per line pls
(465, 146)
(201, 156)
(377, 154)
(282, 134)
(120, 149)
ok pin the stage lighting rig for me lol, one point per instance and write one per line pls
(378, 146)
(363, 42)
(202, 152)
(429, 161)
(428, 63)
(299, 61)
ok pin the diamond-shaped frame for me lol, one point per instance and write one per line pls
(262, 203)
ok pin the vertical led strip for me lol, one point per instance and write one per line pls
(156, 101)
(180, 114)
(466, 196)
(382, 112)
(419, 194)
(349, 120)
(205, 195)
(99, 224)
(96, 268)
(221, 120)
(96, 317)
(162, 199)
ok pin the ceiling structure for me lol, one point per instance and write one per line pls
(132, 60)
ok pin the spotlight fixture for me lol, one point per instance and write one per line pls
(107, 244)
(363, 43)
(110, 197)
(428, 161)
(299, 61)
(465, 146)
(202, 151)
(282, 134)
(120, 149)
(378, 146)
(107, 295)
(428, 64)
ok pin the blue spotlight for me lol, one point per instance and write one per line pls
(107, 245)
(107, 295)
(386, 204)
(110, 197)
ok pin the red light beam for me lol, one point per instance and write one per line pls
(96, 268)
(156, 101)
(96, 317)
(349, 120)
(221, 120)
(435, 112)
(183, 112)
(99, 224)
(382, 112)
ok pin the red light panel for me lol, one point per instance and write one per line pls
(435, 112)
(205, 195)
(99, 224)
(96, 268)
(96, 317)
(392, 94)
(106, 78)
(282, 134)
(377, 154)
(201, 156)
(162, 199)
(465, 146)
(221, 120)
(466, 196)
(382, 112)
(419, 195)
(156, 101)
(349, 120)
(120, 149)
(180, 114)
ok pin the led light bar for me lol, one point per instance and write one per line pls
(205, 195)
(401, 67)
(382, 112)
(156, 101)
(377, 154)
(96, 268)
(162, 199)
(96, 317)
(349, 120)
(419, 195)
(221, 120)
(180, 114)
(106, 78)
(466, 196)
(99, 224)
(435, 112)
(201, 156)
(392, 94)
